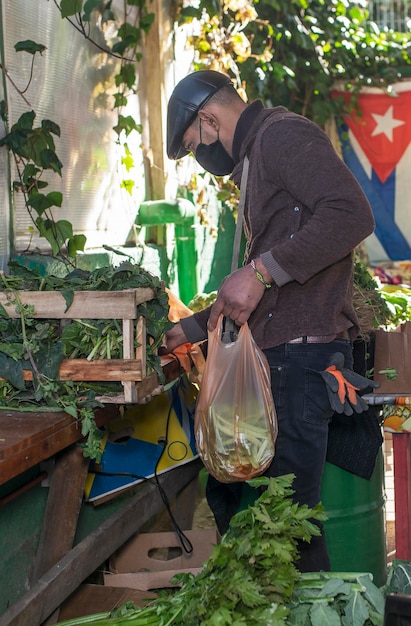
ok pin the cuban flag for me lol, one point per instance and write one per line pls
(377, 149)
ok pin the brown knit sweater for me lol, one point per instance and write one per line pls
(304, 215)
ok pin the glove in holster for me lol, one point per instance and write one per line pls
(343, 385)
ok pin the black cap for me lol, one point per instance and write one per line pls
(188, 97)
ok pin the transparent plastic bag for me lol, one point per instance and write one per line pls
(235, 419)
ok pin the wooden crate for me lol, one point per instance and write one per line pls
(138, 386)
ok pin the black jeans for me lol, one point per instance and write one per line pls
(303, 413)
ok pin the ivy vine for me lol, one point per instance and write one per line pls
(293, 53)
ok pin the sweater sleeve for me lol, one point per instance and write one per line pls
(279, 276)
(195, 326)
(298, 154)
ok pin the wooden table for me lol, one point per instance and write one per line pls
(56, 582)
(27, 439)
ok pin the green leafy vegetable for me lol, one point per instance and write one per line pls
(250, 579)
(390, 373)
(398, 304)
(250, 574)
(41, 345)
(202, 301)
(399, 578)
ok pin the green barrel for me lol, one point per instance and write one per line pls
(355, 528)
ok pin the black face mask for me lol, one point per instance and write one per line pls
(214, 158)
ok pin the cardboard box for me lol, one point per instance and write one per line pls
(90, 599)
(393, 350)
(149, 560)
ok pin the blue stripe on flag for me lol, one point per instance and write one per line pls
(381, 196)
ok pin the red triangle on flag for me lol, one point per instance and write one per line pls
(384, 128)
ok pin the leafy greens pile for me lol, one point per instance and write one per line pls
(40, 345)
(251, 577)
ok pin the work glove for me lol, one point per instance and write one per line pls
(342, 386)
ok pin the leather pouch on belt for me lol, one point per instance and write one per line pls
(343, 385)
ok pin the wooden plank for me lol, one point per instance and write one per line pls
(141, 342)
(97, 370)
(85, 305)
(402, 495)
(64, 578)
(130, 392)
(26, 438)
(19, 429)
(25, 441)
(150, 385)
(62, 509)
(102, 369)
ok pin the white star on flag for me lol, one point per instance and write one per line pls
(386, 124)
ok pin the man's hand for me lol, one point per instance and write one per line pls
(237, 297)
(174, 337)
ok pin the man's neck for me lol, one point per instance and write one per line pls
(244, 124)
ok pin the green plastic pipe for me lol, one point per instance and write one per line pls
(181, 213)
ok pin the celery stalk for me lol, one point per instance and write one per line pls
(86, 619)
(144, 616)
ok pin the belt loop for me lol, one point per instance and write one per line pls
(304, 339)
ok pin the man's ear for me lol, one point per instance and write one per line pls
(209, 118)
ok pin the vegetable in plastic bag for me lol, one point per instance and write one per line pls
(235, 417)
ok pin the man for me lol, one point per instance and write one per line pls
(304, 215)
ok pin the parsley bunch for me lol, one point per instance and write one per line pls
(250, 575)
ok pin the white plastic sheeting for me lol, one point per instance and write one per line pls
(72, 85)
